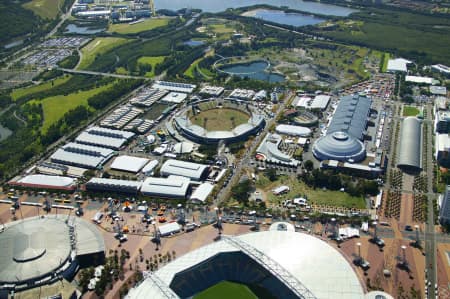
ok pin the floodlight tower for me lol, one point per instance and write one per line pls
(375, 230)
(157, 237)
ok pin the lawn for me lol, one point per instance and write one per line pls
(151, 60)
(147, 24)
(21, 92)
(46, 9)
(55, 107)
(410, 111)
(315, 196)
(386, 58)
(226, 290)
(99, 46)
(220, 119)
(191, 69)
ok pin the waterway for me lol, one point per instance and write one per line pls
(254, 70)
(220, 5)
(281, 17)
(13, 44)
(72, 28)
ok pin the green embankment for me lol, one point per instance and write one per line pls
(98, 47)
(46, 9)
(145, 25)
(18, 93)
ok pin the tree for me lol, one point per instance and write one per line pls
(271, 174)
(241, 190)
(309, 165)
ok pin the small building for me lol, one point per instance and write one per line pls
(214, 91)
(441, 69)
(113, 185)
(242, 94)
(202, 192)
(293, 130)
(150, 168)
(442, 153)
(438, 90)
(442, 122)
(43, 181)
(174, 97)
(444, 212)
(193, 171)
(169, 229)
(397, 65)
(129, 163)
(281, 189)
(170, 187)
(174, 86)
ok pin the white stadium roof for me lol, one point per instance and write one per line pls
(129, 163)
(202, 192)
(47, 180)
(190, 170)
(312, 264)
(171, 187)
(293, 130)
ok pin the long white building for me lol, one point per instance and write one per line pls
(193, 171)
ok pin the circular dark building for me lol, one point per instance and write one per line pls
(41, 250)
(339, 146)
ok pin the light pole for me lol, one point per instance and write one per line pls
(157, 237)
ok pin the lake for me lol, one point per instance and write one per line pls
(254, 70)
(219, 5)
(193, 43)
(72, 28)
(281, 17)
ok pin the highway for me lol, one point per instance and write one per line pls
(101, 74)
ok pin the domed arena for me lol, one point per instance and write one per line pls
(213, 121)
(276, 263)
(339, 146)
(41, 250)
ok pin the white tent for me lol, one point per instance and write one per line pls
(169, 229)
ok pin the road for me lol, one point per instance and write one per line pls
(224, 193)
(430, 236)
(102, 74)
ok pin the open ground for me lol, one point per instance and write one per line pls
(222, 119)
(147, 24)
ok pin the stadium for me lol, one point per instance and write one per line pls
(41, 250)
(212, 121)
(272, 264)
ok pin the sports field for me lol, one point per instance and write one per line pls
(55, 107)
(226, 290)
(410, 111)
(97, 47)
(146, 25)
(220, 119)
(46, 9)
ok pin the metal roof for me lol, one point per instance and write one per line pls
(129, 163)
(397, 65)
(190, 170)
(292, 257)
(87, 149)
(410, 144)
(351, 116)
(172, 186)
(293, 130)
(114, 183)
(99, 136)
(71, 158)
(47, 180)
(339, 146)
(202, 192)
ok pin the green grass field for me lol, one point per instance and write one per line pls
(18, 93)
(146, 25)
(97, 47)
(226, 290)
(223, 119)
(386, 56)
(151, 60)
(55, 107)
(46, 9)
(190, 70)
(317, 196)
(410, 111)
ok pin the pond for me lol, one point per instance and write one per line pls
(194, 43)
(13, 44)
(73, 28)
(281, 17)
(254, 70)
(220, 5)
(4, 133)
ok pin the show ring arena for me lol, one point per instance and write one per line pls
(213, 121)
